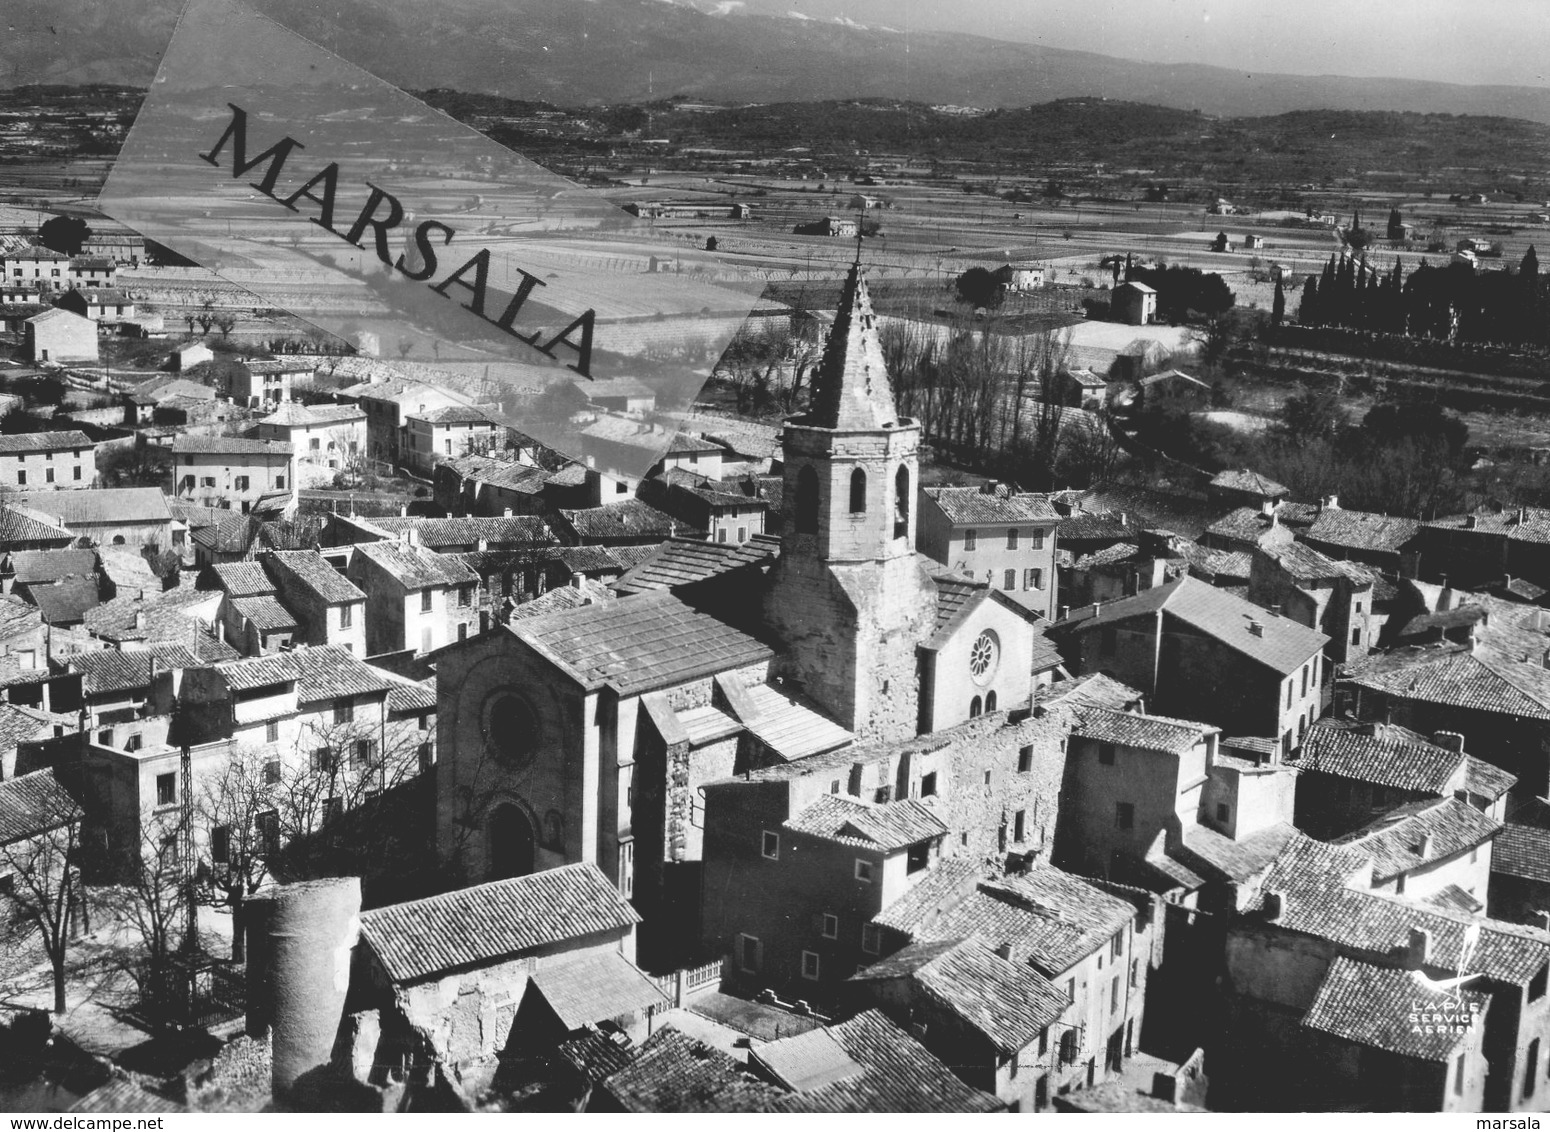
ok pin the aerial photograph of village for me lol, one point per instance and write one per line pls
(695, 556)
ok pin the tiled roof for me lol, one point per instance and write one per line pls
(320, 672)
(1185, 513)
(51, 565)
(43, 441)
(673, 1072)
(411, 695)
(414, 567)
(627, 556)
(1006, 1003)
(66, 601)
(18, 724)
(1362, 530)
(897, 1074)
(1307, 566)
(596, 1054)
(1518, 524)
(312, 570)
(243, 579)
(1150, 732)
(230, 446)
(123, 1095)
(1282, 645)
(471, 530)
(1453, 898)
(629, 518)
(453, 414)
(265, 612)
(232, 534)
(32, 804)
(790, 727)
(20, 526)
(1325, 894)
(1382, 754)
(638, 643)
(1522, 851)
(683, 561)
(110, 670)
(564, 597)
(891, 826)
(1249, 524)
(1093, 689)
(494, 921)
(1443, 828)
(1206, 852)
(1486, 781)
(1247, 481)
(596, 559)
(1048, 917)
(16, 616)
(595, 986)
(1451, 674)
(1372, 1006)
(964, 505)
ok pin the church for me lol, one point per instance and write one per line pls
(587, 734)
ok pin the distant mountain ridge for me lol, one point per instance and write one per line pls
(580, 51)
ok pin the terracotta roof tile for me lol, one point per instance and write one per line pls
(683, 561)
(890, 826)
(494, 921)
(1442, 827)
(1372, 1005)
(1149, 732)
(595, 986)
(673, 1072)
(312, 570)
(320, 672)
(44, 441)
(1522, 851)
(414, 567)
(1382, 754)
(1362, 530)
(999, 506)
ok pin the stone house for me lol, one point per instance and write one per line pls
(1095, 948)
(447, 432)
(1472, 550)
(1134, 304)
(59, 336)
(232, 472)
(135, 517)
(1380, 541)
(1202, 653)
(988, 1018)
(97, 304)
(1243, 488)
(1336, 598)
(456, 979)
(327, 439)
(416, 599)
(723, 512)
(47, 461)
(328, 606)
(1283, 958)
(1435, 849)
(258, 382)
(1004, 536)
(40, 268)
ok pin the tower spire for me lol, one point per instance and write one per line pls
(851, 389)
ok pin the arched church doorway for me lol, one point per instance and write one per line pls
(512, 839)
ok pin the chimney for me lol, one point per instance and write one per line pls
(1256, 629)
(1423, 847)
(403, 510)
(1331, 503)
(1418, 951)
(1449, 740)
(506, 514)
(1471, 522)
(1097, 608)
(139, 619)
(1273, 610)
(1522, 515)
(1004, 949)
(1065, 611)
(1273, 902)
(577, 579)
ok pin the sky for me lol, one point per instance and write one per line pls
(1459, 41)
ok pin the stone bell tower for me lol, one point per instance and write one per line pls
(847, 597)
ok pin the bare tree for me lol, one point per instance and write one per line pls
(153, 899)
(45, 878)
(237, 811)
(225, 322)
(206, 316)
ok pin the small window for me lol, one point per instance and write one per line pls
(346, 616)
(1033, 579)
(1358, 607)
(1536, 985)
(48, 475)
(322, 761)
(1106, 754)
(928, 784)
(344, 711)
(976, 707)
(771, 846)
(365, 753)
(721, 534)
(220, 844)
(1356, 636)
(748, 952)
(272, 731)
(834, 787)
(1117, 945)
(1038, 538)
(971, 540)
(1009, 580)
(871, 939)
(1020, 825)
(21, 478)
(272, 772)
(426, 598)
(1011, 539)
(831, 926)
(857, 491)
(987, 778)
(1070, 992)
(77, 472)
(1114, 996)
(863, 871)
(464, 595)
(810, 965)
(1124, 815)
(1135, 972)
(742, 534)
(167, 789)
(1025, 760)
(1222, 810)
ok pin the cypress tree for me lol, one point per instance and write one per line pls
(1308, 312)
(1278, 307)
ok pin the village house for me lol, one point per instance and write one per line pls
(47, 461)
(828, 226)
(723, 512)
(450, 431)
(38, 267)
(994, 533)
(1243, 488)
(416, 599)
(91, 271)
(1134, 304)
(1336, 598)
(1381, 541)
(509, 966)
(618, 394)
(481, 485)
(100, 304)
(386, 405)
(59, 336)
(327, 439)
(329, 607)
(1350, 773)
(1095, 948)
(260, 382)
(232, 472)
(1436, 850)
(1472, 550)
(1202, 653)
(255, 622)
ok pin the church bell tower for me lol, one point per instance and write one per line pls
(848, 598)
